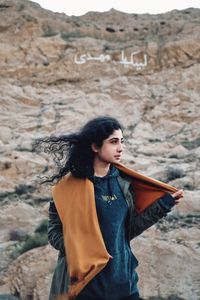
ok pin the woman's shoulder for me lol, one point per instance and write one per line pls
(62, 182)
(124, 177)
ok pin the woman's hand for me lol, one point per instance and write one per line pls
(178, 196)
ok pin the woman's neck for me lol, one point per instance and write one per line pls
(101, 169)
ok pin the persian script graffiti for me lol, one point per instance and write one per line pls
(133, 61)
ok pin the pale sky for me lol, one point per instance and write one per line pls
(78, 7)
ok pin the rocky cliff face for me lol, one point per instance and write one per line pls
(56, 72)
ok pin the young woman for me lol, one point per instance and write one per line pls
(98, 206)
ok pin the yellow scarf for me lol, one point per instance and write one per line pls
(85, 249)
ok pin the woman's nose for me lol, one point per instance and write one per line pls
(120, 148)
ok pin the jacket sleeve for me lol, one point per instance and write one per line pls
(151, 215)
(55, 230)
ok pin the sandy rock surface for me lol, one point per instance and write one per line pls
(56, 72)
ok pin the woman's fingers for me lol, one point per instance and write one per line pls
(177, 195)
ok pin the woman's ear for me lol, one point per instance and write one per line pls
(94, 147)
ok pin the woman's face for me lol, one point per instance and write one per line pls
(111, 149)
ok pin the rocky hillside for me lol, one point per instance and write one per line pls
(56, 72)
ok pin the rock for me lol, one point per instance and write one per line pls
(19, 215)
(179, 152)
(30, 269)
(5, 163)
(7, 248)
(5, 134)
(45, 90)
(42, 287)
(17, 235)
(8, 297)
(190, 204)
(159, 259)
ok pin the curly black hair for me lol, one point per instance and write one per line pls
(73, 152)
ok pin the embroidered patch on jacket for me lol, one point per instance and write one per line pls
(109, 199)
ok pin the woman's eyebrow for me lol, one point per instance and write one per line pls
(116, 139)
